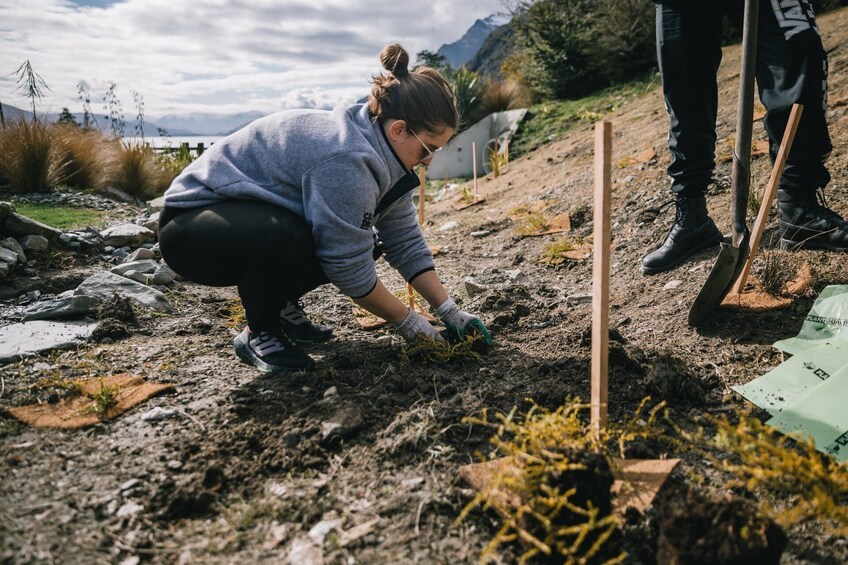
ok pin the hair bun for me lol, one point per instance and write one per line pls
(395, 59)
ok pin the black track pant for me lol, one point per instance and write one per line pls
(791, 67)
(264, 250)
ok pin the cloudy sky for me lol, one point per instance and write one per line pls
(220, 56)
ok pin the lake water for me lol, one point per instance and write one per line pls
(175, 141)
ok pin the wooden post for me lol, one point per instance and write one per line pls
(600, 274)
(422, 194)
(474, 165)
(200, 149)
(768, 197)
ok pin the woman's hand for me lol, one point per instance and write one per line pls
(461, 323)
(416, 324)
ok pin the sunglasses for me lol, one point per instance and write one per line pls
(430, 152)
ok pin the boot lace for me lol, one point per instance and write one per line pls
(830, 215)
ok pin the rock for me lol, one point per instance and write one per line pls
(145, 266)
(6, 210)
(332, 391)
(140, 254)
(447, 226)
(12, 243)
(126, 234)
(480, 233)
(20, 226)
(671, 285)
(320, 530)
(304, 551)
(22, 340)
(156, 205)
(473, 288)
(65, 307)
(152, 223)
(159, 413)
(5, 269)
(9, 256)
(128, 509)
(138, 277)
(104, 285)
(164, 275)
(344, 421)
(578, 298)
(34, 243)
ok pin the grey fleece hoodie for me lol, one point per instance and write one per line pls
(330, 167)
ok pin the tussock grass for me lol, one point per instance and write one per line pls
(500, 96)
(138, 173)
(30, 160)
(88, 158)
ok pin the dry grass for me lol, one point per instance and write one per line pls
(533, 224)
(138, 173)
(778, 270)
(31, 160)
(500, 96)
(89, 159)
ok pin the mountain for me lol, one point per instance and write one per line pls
(497, 46)
(461, 51)
(206, 124)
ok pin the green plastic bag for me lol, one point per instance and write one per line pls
(820, 415)
(826, 323)
(796, 377)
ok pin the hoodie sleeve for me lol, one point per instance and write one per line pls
(403, 242)
(339, 197)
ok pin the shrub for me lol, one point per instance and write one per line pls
(29, 157)
(138, 174)
(467, 90)
(499, 96)
(88, 158)
(573, 47)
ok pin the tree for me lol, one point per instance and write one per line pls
(67, 118)
(30, 83)
(431, 59)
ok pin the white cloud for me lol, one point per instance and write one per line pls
(219, 55)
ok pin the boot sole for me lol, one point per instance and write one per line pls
(789, 245)
(244, 353)
(669, 266)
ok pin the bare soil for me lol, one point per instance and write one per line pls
(244, 471)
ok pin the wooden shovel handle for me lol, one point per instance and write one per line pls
(768, 196)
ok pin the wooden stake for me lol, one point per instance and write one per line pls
(411, 293)
(474, 165)
(422, 194)
(600, 274)
(768, 197)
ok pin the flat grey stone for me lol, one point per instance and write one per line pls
(19, 225)
(155, 205)
(144, 266)
(12, 243)
(447, 226)
(21, 340)
(104, 285)
(139, 277)
(126, 234)
(34, 243)
(8, 256)
(578, 298)
(164, 275)
(140, 254)
(65, 307)
(473, 288)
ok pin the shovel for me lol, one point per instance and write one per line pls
(732, 256)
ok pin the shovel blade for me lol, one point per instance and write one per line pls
(717, 285)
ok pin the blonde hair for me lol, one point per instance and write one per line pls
(422, 97)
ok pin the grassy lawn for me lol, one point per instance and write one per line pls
(61, 217)
(549, 120)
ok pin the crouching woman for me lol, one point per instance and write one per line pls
(288, 203)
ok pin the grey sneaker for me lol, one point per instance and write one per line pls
(270, 352)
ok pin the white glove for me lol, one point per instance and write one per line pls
(462, 323)
(416, 324)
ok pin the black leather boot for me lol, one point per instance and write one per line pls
(692, 231)
(807, 222)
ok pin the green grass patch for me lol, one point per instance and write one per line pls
(549, 120)
(61, 217)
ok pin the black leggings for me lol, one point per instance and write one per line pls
(791, 67)
(264, 250)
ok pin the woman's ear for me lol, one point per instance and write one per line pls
(396, 129)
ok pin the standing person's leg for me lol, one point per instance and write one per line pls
(792, 67)
(258, 247)
(689, 53)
